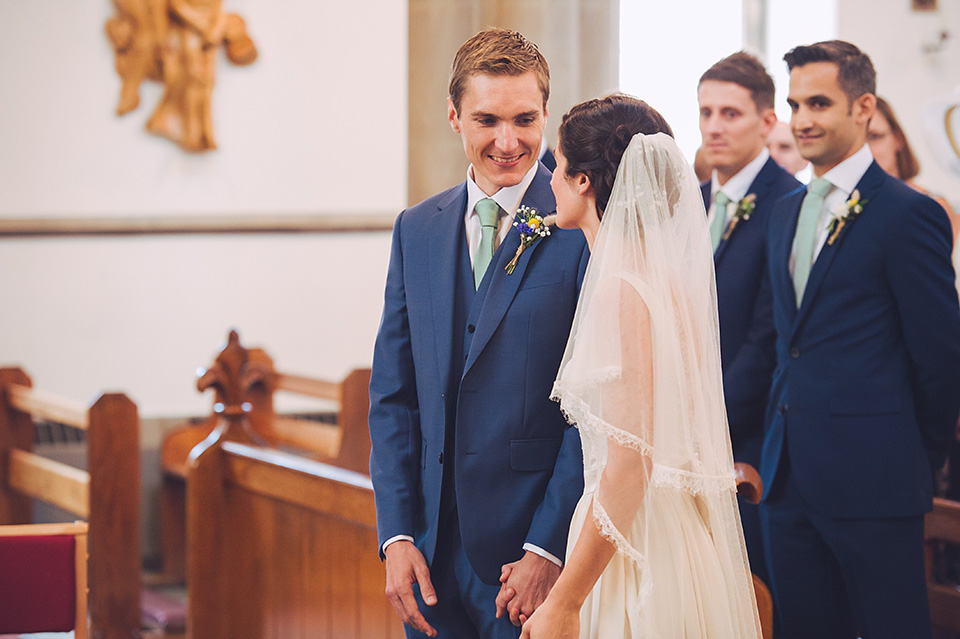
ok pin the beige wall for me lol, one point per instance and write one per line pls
(316, 126)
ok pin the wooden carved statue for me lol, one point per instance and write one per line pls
(176, 42)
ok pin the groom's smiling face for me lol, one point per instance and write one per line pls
(501, 120)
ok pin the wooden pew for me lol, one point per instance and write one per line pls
(22, 589)
(107, 495)
(279, 546)
(750, 487)
(345, 445)
(942, 524)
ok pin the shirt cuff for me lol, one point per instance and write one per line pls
(534, 549)
(393, 539)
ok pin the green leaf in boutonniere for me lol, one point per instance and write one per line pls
(844, 212)
(744, 210)
(532, 227)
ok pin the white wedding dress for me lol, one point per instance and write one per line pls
(641, 380)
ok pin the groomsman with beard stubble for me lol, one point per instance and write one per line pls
(865, 394)
(736, 114)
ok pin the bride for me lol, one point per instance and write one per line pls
(655, 547)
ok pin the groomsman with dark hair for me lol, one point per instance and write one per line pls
(736, 114)
(865, 394)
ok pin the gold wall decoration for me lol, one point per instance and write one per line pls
(175, 42)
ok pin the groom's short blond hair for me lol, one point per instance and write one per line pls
(497, 52)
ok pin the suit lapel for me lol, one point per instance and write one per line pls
(780, 253)
(502, 287)
(869, 184)
(444, 251)
(765, 178)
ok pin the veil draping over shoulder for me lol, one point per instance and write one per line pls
(641, 379)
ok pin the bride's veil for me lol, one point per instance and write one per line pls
(641, 379)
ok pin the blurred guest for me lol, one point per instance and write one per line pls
(701, 167)
(892, 151)
(783, 149)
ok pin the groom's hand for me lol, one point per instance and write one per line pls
(524, 586)
(405, 567)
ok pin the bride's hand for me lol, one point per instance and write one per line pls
(552, 620)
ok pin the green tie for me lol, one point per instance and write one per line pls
(720, 202)
(807, 233)
(489, 213)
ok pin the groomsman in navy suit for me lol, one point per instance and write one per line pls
(866, 390)
(736, 98)
(475, 471)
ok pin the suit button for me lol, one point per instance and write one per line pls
(471, 328)
(781, 409)
(440, 458)
(794, 352)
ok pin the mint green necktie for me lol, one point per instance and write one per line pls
(807, 232)
(489, 213)
(720, 202)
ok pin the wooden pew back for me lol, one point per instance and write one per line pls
(280, 546)
(248, 376)
(26, 589)
(107, 495)
(942, 524)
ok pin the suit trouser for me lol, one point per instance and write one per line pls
(466, 607)
(842, 578)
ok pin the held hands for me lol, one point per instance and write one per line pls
(553, 620)
(524, 586)
(406, 566)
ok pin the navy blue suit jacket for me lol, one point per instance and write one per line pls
(744, 303)
(518, 465)
(866, 391)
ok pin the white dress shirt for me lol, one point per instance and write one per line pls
(736, 187)
(844, 178)
(509, 198)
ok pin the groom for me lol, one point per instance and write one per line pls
(475, 471)
(865, 395)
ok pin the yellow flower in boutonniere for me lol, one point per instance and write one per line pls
(744, 209)
(846, 211)
(532, 227)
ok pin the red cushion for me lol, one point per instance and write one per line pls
(37, 584)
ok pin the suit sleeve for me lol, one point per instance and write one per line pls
(394, 418)
(551, 522)
(921, 276)
(748, 377)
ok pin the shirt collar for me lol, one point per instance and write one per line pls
(508, 197)
(846, 175)
(737, 186)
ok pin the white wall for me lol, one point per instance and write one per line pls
(299, 131)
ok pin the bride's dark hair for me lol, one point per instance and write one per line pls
(594, 134)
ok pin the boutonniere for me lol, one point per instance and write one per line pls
(532, 227)
(744, 209)
(846, 211)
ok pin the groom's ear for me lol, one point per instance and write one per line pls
(452, 116)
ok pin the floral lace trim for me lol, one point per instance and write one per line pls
(609, 532)
(577, 412)
(694, 483)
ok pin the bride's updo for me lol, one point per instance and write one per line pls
(594, 134)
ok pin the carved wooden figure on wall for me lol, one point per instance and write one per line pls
(176, 42)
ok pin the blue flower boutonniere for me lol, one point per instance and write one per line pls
(744, 209)
(532, 227)
(846, 211)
